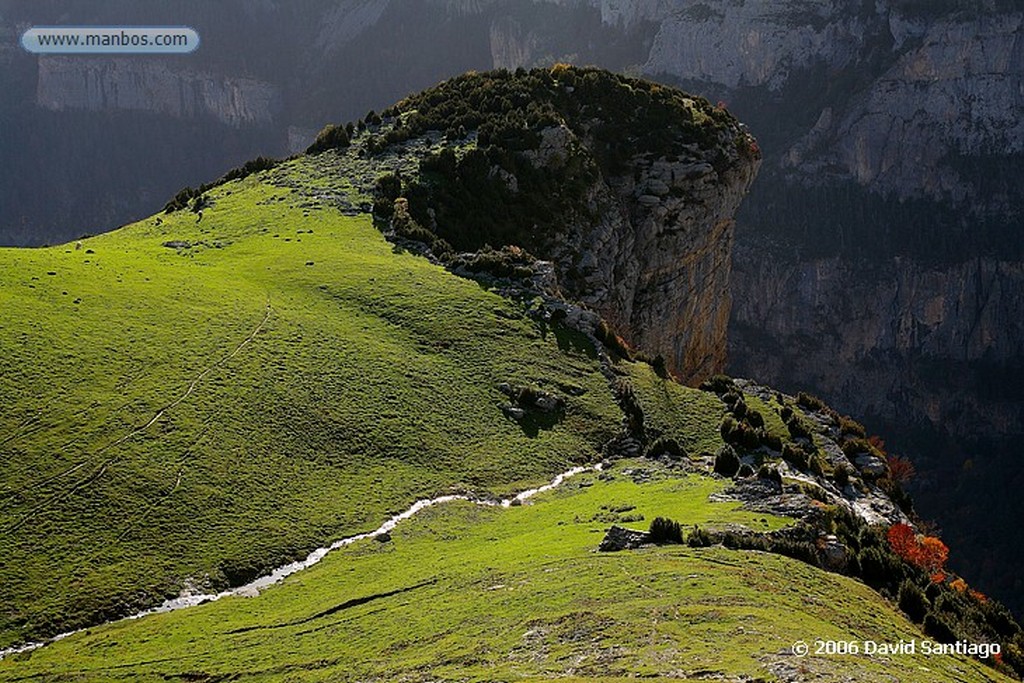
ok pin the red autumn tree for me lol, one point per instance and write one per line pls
(900, 469)
(926, 552)
(903, 542)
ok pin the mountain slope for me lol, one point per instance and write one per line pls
(469, 593)
(214, 391)
(144, 444)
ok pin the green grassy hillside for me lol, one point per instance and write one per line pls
(207, 412)
(468, 593)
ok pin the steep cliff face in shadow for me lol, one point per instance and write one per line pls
(834, 314)
(657, 263)
(929, 355)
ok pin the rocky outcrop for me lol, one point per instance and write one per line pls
(113, 84)
(619, 538)
(631, 196)
(656, 263)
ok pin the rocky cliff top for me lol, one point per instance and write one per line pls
(628, 187)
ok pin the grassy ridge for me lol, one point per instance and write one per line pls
(690, 416)
(482, 594)
(346, 404)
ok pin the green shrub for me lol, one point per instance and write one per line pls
(666, 446)
(769, 473)
(816, 464)
(841, 476)
(798, 550)
(795, 456)
(750, 438)
(848, 425)
(773, 441)
(810, 401)
(386, 190)
(739, 434)
(507, 262)
(938, 628)
(698, 538)
(719, 384)
(256, 165)
(660, 368)
(754, 418)
(853, 447)
(797, 428)
(331, 137)
(727, 463)
(912, 601)
(739, 409)
(626, 398)
(880, 569)
(183, 198)
(664, 531)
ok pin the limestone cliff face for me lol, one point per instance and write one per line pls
(656, 263)
(890, 339)
(347, 20)
(111, 84)
(755, 42)
(956, 88)
(512, 45)
(925, 89)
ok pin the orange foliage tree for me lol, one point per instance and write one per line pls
(934, 554)
(903, 541)
(926, 552)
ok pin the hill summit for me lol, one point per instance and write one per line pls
(627, 187)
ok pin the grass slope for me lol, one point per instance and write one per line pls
(205, 412)
(482, 594)
(690, 416)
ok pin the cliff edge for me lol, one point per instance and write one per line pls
(627, 187)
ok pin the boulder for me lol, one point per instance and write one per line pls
(871, 466)
(657, 187)
(515, 412)
(620, 538)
